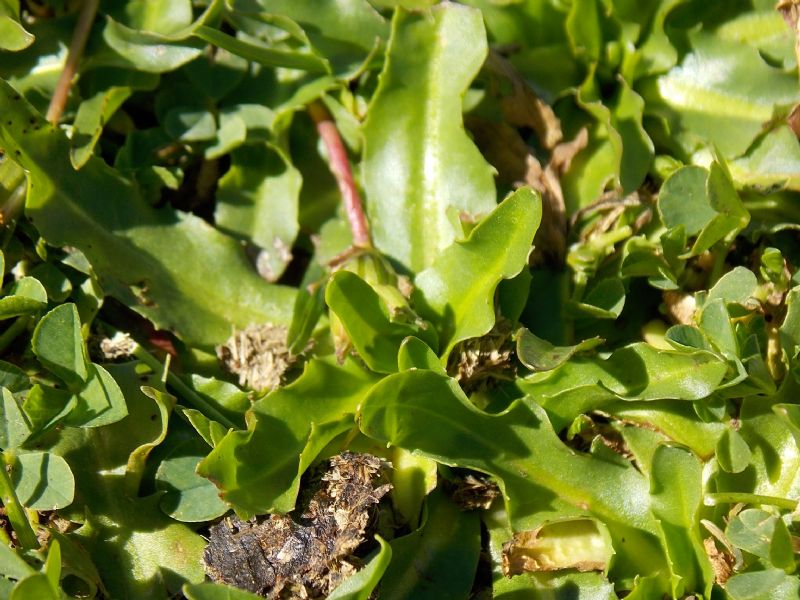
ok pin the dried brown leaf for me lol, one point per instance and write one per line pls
(721, 562)
(474, 492)
(521, 106)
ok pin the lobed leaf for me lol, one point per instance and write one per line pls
(456, 293)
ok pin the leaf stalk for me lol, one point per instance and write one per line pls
(14, 510)
(78, 43)
(340, 168)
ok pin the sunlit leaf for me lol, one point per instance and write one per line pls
(420, 168)
(456, 292)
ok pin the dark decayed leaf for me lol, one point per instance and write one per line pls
(310, 557)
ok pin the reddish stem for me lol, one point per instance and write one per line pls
(340, 167)
(79, 37)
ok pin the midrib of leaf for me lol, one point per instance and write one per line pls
(685, 94)
(755, 28)
(432, 208)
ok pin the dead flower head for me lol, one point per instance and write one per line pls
(120, 345)
(258, 355)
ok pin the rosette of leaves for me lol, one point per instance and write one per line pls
(572, 329)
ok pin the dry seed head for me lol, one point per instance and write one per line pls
(120, 345)
(258, 355)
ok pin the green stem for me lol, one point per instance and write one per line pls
(184, 391)
(718, 269)
(10, 334)
(736, 498)
(773, 209)
(14, 510)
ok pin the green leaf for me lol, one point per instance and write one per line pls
(413, 477)
(604, 301)
(43, 481)
(539, 476)
(58, 345)
(190, 124)
(52, 566)
(733, 453)
(359, 585)
(13, 36)
(57, 285)
(140, 553)
(635, 372)
(583, 30)
(93, 114)
(678, 423)
(35, 587)
(309, 305)
(625, 151)
(257, 199)
(419, 164)
(731, 215)
(352, 21)
(456, 292)
(146, 258)
(369, 323)
(27, 296)
(157, 37)
(416, 354)
(770, 584)
(728, 109)
(134, 469)
(737, 286)
(211, 431)
(12, 564)
(14, 426)
(187, 496)
(773, 161)
(704, 203)
(789, 331)
(676, 490)
(100, 402)
(439, 559)
(762, 534)
(269, 57)
(258, 470)
(216, 591)
(540, 355)
(683, 202)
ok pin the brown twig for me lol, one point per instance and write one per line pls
(340, 167)
(79, 37)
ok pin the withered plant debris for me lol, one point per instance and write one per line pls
(477, 362)
(536, 551)
(550, 242)
(280, 557)
(258, 355)
(474, 492)
(120, 346)
(722, 562)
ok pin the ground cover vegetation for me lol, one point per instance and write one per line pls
(399, 299)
